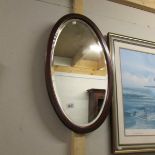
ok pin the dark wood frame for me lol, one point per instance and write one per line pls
(49, 84)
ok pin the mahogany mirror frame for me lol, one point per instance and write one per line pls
(48, 76)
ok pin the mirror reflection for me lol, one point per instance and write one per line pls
(79, 72)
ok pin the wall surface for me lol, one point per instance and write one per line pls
(28, 124)
(72, 89)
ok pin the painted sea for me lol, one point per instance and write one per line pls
(139, 107)
(138, 84)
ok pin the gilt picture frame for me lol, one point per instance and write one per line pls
(133, 106)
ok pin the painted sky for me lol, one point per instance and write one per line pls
(138, 68)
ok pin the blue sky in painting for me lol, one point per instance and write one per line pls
(138, 68)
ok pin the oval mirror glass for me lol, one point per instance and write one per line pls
(80, 73)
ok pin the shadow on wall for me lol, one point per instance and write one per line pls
(46, 112)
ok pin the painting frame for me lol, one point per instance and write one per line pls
(132, 130)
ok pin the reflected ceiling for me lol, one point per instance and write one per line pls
(69, 40)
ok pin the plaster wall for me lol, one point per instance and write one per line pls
(72, 90)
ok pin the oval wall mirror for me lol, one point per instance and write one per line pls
(78, 73)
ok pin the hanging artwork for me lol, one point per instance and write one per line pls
(134, 94)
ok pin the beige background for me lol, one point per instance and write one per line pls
(28, 124)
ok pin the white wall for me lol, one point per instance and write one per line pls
(72, 89)
(28, 124)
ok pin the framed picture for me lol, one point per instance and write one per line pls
(133, 107)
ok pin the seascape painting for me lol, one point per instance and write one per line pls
(138, 87)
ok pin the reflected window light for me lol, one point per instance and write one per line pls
(74, 22)
(96, 48)
(101, 68)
